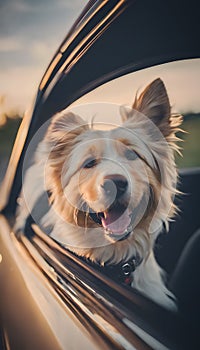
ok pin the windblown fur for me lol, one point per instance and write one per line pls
(112, 190)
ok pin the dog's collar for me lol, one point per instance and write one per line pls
(121, 273)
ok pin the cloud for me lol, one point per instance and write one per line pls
(20, 6)
(39, 28)
(10, 44)
(32, 31)
(38, 19)
(18, 85)
(41, 50)
(28, 6)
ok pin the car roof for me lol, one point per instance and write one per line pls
(109, 39)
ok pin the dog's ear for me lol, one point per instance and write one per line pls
(61, 136)
(153, 102)
(66, 125)
(125, 113)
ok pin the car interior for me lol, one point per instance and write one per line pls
(178, 250)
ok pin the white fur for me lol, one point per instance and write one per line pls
(73, 141)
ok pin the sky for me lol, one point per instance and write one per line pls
(181, 79)
(30, 33)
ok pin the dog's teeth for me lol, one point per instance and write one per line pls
(127, 231)
(107, 231)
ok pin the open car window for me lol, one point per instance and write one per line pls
(101, 109)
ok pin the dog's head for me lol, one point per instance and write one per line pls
(115, 185)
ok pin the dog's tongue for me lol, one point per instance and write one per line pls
(116, 222)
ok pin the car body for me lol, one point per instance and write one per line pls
(50, 299)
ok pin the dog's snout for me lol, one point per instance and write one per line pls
(115, 185)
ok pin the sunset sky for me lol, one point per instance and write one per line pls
(30, 33)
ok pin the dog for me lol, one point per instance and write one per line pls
(111, 191)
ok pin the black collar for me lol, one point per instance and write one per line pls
(122, 272)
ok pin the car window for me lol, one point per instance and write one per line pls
(103, 179)
(101, 109)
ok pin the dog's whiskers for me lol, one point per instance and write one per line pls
(75, 214)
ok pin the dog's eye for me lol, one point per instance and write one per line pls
(89, 163)
(130, 154)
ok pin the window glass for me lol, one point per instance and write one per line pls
(103, 180)
(102, 105)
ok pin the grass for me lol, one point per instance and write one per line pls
(7, 136)
(191, 144)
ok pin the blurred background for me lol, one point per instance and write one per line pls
(30, 33)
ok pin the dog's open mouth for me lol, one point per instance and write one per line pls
(116, 221)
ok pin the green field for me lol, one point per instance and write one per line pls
(191, 144)
(7, 136)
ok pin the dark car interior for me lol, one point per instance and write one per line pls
(177, 251)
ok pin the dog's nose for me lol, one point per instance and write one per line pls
(115, 185)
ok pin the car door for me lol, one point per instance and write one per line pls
(49, 297)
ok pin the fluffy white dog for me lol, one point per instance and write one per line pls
(111, 191)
